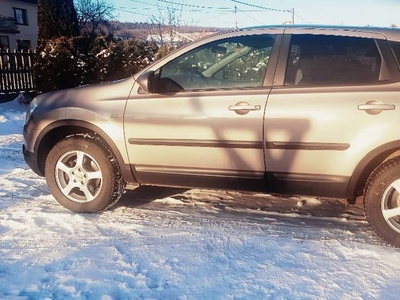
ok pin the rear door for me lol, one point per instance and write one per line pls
(331, 105)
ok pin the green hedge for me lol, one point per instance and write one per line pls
(68, 62)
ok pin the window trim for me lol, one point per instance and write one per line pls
(285, 51)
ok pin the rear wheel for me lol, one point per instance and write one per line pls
(382, 201)
(83, 175)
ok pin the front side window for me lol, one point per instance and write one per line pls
(332, 60)
(20, 16)
(238, 62)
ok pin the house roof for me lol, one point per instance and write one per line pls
(30, 1)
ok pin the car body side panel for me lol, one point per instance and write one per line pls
(105, 112)
(316, 135)
(190, 136)
(321, 131)
(196, 133)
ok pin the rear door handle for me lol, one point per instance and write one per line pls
(375, 107)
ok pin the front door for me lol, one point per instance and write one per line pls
(204, 126)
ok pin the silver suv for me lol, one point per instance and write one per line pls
(283, 110)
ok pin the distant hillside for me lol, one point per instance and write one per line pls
(143, 30)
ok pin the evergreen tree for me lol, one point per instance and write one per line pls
(57, 18)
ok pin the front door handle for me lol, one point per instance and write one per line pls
(243, 107)
(375, 107)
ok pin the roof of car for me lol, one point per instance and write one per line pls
(391, 33)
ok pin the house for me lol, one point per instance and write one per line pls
(18, 24)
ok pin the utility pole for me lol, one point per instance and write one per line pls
(236, 27)
(292, 16)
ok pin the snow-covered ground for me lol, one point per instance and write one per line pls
(160, 243)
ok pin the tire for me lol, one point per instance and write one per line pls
(83, 175)
(382, 201)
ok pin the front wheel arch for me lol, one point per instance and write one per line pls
(59, 130)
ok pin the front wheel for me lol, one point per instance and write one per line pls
(382, 201)
(83, 175)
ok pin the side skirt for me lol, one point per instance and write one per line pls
(270, 182)
(307, 184)
(214, 179)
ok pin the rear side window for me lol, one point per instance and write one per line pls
(396, 49)
(332, 60)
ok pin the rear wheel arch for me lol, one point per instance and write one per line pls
(367, 165)
(382, 201)
(57, 131)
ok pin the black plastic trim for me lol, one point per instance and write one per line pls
(125, 168)
(307, 184)
(389, 60)
(274, 183)
(202, 181)
(31, 160)
(367, 165)
(197, 143)
(161, 169)
(307, 146)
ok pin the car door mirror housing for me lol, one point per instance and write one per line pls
(147, 82)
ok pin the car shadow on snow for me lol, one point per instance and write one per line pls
(146, 194)
(327, 218)
(240, 201)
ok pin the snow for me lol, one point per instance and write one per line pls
(160, 243)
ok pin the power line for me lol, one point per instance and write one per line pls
(198, 8)
(127, 10)
(195, 6)
(249, 16)
(261, 7)
(212, 17)
(302, 19)
(130, 9)
(150, 4)
(202, 9)
(132, 12)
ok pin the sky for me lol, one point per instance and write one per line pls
(380, 13)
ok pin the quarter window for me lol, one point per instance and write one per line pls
(332, 60)
(396, 49)
(239, 62)
(20, 16)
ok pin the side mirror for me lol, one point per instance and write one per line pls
(147, 82)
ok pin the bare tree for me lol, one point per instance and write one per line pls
(94, 15)
(166, 25)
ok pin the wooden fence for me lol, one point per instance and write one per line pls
(16, 71)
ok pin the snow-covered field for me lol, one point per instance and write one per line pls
(160, 243)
